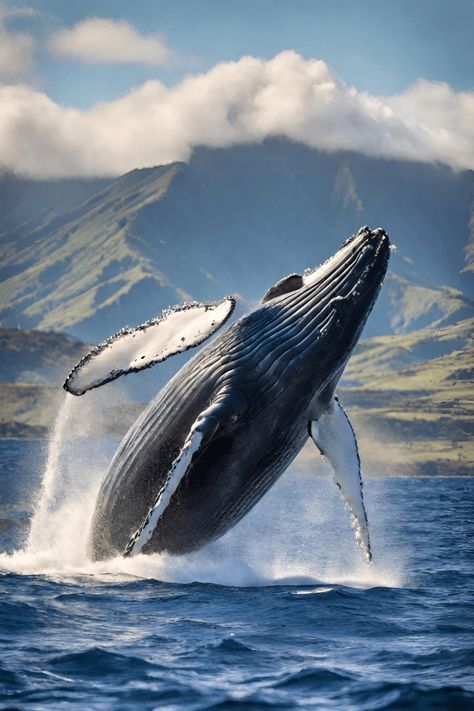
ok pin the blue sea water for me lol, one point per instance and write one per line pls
(282, 612)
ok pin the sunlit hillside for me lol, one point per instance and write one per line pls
(412, 398)
(232, 221)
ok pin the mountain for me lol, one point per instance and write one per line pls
(410, 305)
(26, 204)
(234, 221)
(40, 357)
(33, 366)
(83, 265)
(411, 399)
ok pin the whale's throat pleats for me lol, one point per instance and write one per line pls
(333, 435)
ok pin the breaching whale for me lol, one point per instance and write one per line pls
(228, 424)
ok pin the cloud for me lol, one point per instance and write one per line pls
(235, 102)
(16, 48)
(98, 40)
(16, 11)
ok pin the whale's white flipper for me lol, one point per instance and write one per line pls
(333, 435)
(133, 349)
(224, 408)
(176, 474)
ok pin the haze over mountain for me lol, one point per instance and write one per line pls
(232, 220)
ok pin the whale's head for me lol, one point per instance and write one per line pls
(348, 283)
(329, 305)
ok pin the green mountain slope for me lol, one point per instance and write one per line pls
(412, 399)
(235, 221)
(37, 356)
(26, 205)
(413, 306)
(85, 264)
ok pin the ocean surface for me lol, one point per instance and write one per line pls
(282, 612)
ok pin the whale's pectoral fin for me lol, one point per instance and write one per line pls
(333, 435)
(224, 409)
(133, 349)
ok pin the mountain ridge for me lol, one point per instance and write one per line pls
(236, 220)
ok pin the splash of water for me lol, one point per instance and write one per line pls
(299, 534)
(39, 535)
(75, 463)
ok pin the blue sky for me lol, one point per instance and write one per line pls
(379, 46)
(99, 88)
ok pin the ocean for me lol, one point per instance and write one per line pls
(281, 612)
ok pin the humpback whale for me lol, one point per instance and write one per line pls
(228, 424)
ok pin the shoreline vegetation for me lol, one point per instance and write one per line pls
(410, 397)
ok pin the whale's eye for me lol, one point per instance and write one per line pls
(284, 286)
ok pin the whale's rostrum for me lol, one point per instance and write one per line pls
(229, 423)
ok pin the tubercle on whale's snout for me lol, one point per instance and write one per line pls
(378, 233)
(364, 292)
(372, 264)
(351, 249)
(377, 251)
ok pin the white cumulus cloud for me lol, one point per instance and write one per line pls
(16, 48)
(235, 102)
(99, 40)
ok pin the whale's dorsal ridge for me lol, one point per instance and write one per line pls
(133, 349)
(292, 282)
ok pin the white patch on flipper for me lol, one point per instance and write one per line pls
(177, 471)
(131, 350)
(335, 439)
(224, 406)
